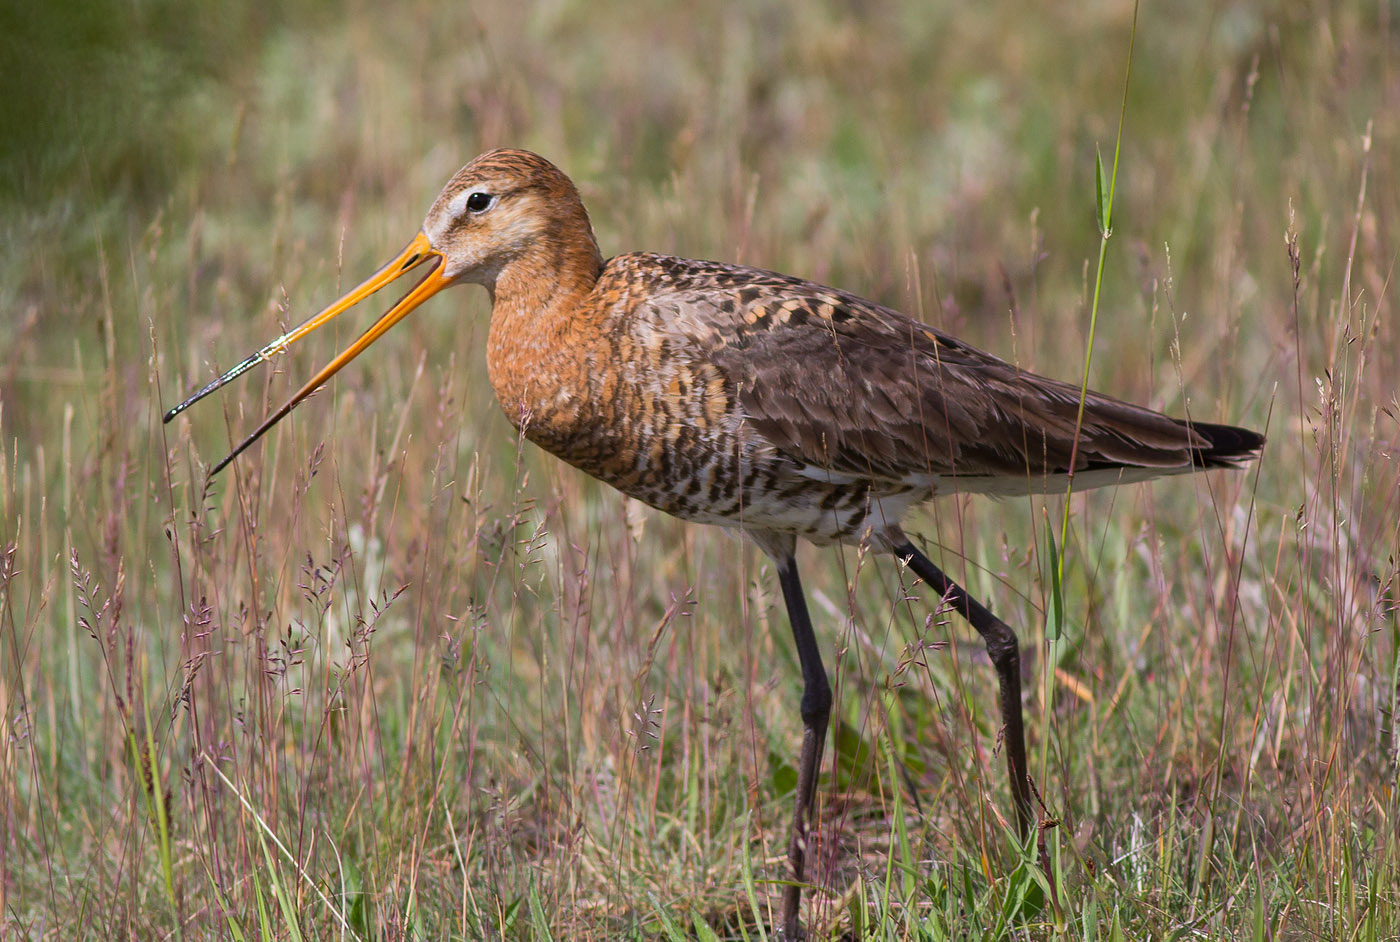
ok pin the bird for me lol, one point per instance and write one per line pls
(756, 401)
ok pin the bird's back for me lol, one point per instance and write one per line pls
(739, 396)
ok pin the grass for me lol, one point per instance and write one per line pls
(398, 675)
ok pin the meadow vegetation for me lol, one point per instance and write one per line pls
(396, 674)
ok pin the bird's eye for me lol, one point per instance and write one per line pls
(480, 202)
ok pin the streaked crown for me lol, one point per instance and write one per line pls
(502, 206)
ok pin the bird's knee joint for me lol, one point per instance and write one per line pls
(816, 702)
(1004, 651)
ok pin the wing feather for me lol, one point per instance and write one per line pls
(858, 389)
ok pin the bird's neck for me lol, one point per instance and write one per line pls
(541, 323)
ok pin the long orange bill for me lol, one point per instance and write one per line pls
(414, 254)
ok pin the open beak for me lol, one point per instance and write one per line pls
(414, 254)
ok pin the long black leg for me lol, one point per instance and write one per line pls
(1006, 658)
(816, 711)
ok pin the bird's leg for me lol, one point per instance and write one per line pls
(816, 710)
(1005, 653)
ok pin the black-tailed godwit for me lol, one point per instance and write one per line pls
(748, 399)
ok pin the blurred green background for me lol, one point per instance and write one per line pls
(473, 695)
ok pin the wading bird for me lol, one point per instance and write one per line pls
(748, 399)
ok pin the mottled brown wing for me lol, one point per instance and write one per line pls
(862, 390)
(890, 409)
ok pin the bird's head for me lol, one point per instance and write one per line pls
(504, 206)
(508, 211)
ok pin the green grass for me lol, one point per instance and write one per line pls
(396, 674)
